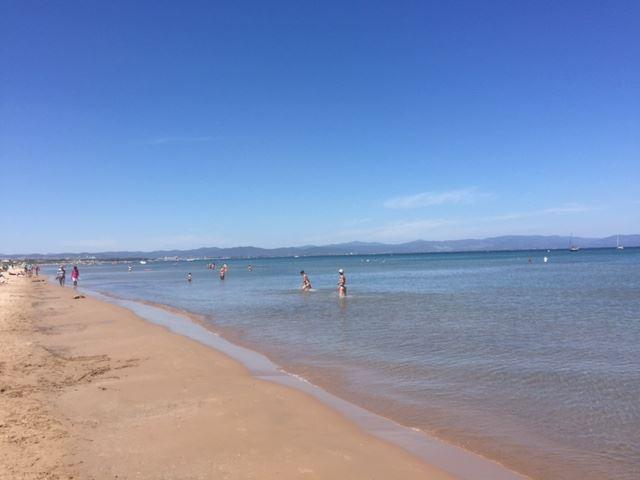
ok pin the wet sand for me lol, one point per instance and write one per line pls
(90, 390)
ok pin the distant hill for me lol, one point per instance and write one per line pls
(511, 242)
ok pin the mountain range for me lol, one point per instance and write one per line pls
(511, 242)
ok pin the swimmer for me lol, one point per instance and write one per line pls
(250, 268)
(189, 277)
(306, 283)
(342, 284)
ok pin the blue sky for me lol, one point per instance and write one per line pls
(146, 125)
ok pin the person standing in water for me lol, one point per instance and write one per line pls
(75, 275)
(342, 284)
(223, 271)
(306, 283)
(189, 277)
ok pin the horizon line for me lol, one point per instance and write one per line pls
(4, 256)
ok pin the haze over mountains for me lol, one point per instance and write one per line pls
(511, 242)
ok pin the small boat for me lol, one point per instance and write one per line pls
(573, 247)
(143, 262)
(618, 245)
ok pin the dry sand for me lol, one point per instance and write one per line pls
(89, 390)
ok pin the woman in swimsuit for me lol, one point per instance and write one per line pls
(342, 284)
(60, 276)
(306, 283)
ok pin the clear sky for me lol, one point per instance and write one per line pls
(145, 125)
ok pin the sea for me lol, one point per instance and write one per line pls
(534, 364)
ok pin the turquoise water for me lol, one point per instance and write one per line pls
(535, 365)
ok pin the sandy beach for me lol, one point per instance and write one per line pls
(89, 390)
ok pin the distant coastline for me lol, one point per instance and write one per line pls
(491, 244)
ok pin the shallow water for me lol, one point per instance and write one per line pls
(534, 365)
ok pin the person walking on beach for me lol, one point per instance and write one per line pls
(60, 275)
(37, 270)
(342, 284)
(306, 283)
(75, 275)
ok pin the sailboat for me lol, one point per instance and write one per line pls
(573, 247)
(618, 245)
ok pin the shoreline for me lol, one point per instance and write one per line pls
(91, 390)
(452, 458)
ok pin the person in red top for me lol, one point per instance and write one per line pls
(75, 275)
